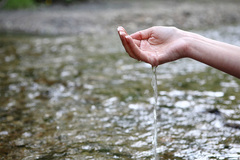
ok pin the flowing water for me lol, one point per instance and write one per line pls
(154, 85)
(75, 97)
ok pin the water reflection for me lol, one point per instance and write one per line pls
(63, 99)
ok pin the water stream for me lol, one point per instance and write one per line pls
(154, 85)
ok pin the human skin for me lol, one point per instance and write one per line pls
(159, 45)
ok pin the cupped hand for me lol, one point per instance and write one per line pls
(156, 45)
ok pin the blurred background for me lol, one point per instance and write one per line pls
(69, 91)
(15, 4)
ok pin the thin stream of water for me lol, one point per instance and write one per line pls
(154, 85)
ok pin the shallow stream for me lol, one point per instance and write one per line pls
(81, 97)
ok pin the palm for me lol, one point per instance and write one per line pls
(156, 49)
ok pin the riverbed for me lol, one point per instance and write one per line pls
(77, 95)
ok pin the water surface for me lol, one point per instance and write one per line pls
(75, 97)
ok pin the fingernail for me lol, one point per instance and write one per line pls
(121, 33)
(127, 36)
(119, 28)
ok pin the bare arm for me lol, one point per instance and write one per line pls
(158, 45)
(219, 55)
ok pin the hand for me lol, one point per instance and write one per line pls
(156, 45)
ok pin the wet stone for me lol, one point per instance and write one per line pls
(20, 142)
(9, 118)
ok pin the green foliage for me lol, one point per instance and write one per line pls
(17, 4)
(58, 1)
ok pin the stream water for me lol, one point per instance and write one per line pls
(155, 91)
(62, 98)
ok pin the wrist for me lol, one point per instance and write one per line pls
(184, 38)
(192, 44)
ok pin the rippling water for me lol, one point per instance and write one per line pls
(80, 98)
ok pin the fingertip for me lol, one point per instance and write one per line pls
(119, 28)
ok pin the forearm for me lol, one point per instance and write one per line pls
(219, 55)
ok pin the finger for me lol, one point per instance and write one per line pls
(123, 34)
(135, 50)
(141, 35)
(121, 29)
(137, 42)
